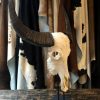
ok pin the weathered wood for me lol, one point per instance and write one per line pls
(86, 94)
(4, 73)
(91, 27)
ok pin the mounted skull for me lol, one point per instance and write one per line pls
(57, 54)
(58, 57)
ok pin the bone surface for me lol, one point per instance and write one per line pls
(57, 59)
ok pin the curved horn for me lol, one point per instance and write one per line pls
(43, 39)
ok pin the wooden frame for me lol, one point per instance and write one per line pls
(50, 95)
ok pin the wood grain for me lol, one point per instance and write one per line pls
(4, 73)
(85, 94)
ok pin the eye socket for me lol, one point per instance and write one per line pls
(55, 53)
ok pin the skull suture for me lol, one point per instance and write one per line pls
(57, 59)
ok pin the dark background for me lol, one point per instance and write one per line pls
(96, 64)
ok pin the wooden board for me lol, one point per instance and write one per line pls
(50, 95)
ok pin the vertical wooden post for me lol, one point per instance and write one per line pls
(91, 34)
(4, 73)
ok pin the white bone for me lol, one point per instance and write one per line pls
(57, 59)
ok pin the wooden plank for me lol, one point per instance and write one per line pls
(84, 94)
(4, 73)
(91, 16)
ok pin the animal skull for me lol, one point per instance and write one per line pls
(57, 59)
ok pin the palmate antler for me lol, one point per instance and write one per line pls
(43, 39)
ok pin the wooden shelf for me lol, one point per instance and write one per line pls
(84, 94)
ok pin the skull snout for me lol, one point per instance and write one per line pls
(65, 83)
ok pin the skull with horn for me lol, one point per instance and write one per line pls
(57, 54)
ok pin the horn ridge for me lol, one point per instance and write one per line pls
(42, 39)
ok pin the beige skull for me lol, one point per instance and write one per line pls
(57, 59)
